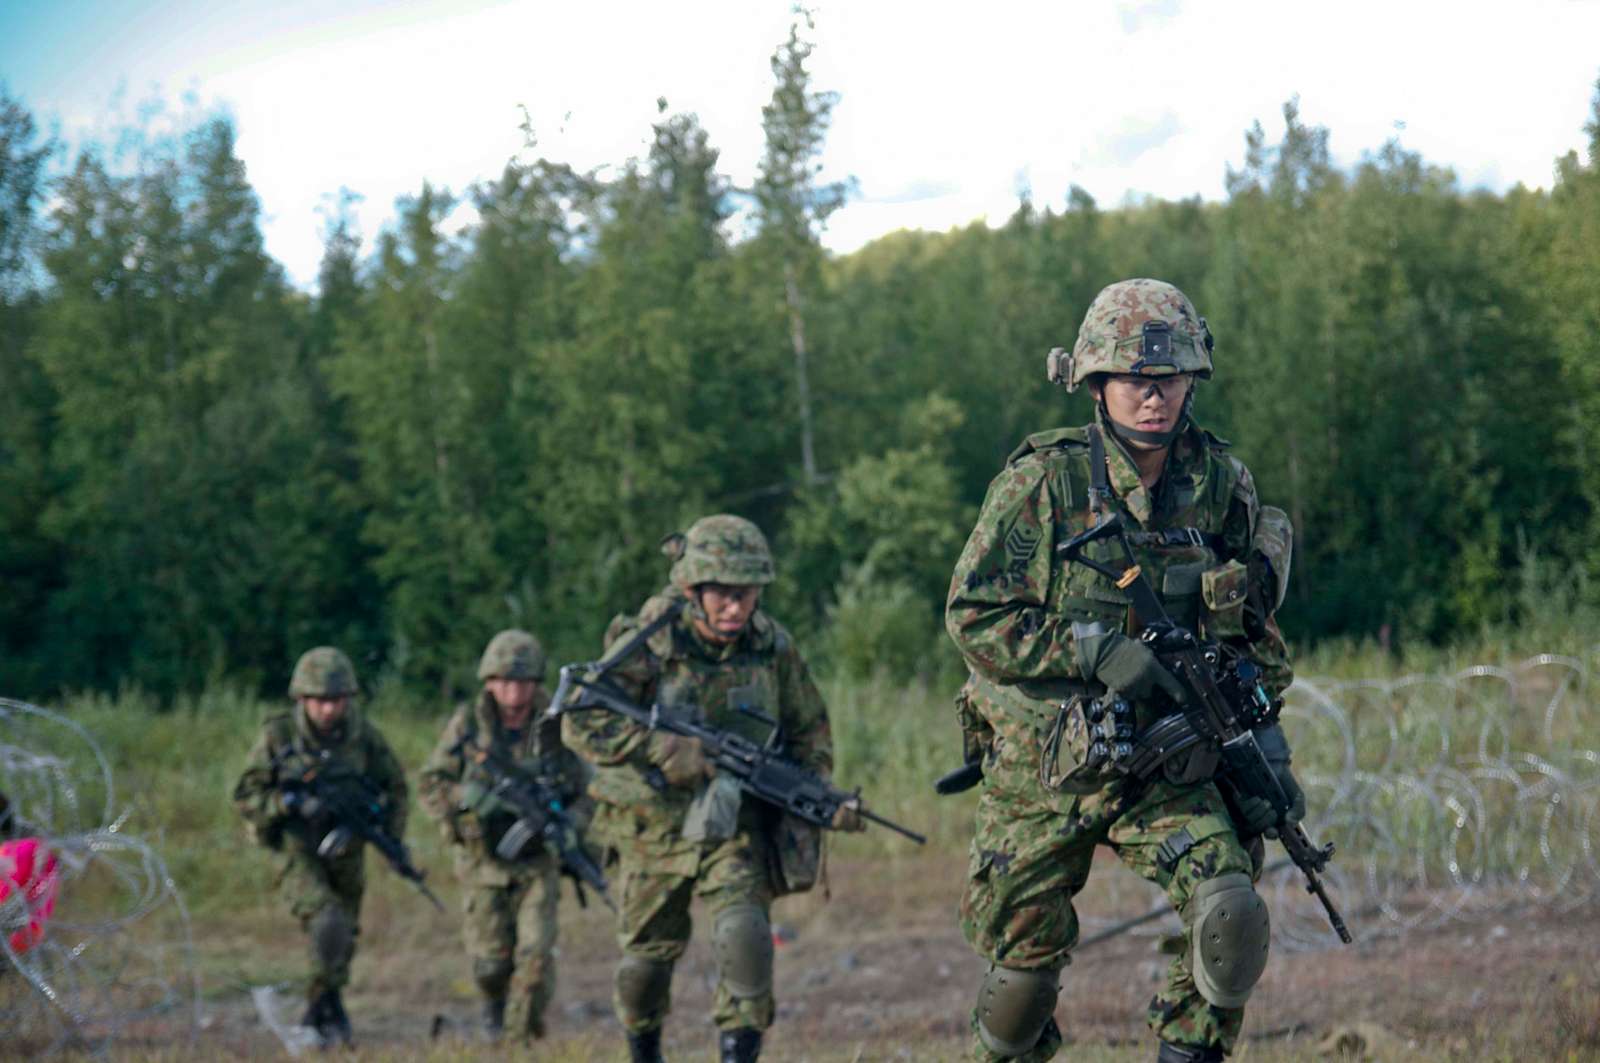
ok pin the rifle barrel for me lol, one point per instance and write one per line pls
(920, 839)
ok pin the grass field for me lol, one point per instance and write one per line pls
(877, 972)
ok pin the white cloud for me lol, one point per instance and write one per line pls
(942, 104)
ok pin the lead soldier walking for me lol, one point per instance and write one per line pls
(1046, 638)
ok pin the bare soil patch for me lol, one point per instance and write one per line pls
(880, 971)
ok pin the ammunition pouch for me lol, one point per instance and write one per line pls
(794, 855)
(1224, 591)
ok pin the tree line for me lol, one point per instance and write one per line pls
(204, 471)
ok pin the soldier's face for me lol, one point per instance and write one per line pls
(1146, 403)
(728, 609)
(514, 698)
(325, 713)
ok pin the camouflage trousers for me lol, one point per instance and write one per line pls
(325, 896)
(653, 921)
(510, 932)
(1030, 859)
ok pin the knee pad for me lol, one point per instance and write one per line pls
(644, 986)
(332, 935)
(492, 976)
(1013, 1008)
(1229, 933)
(741, 940)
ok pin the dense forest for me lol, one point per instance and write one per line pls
(204, 470)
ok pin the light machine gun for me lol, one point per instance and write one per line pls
(355, 810)
(762, 771)
(542, 819)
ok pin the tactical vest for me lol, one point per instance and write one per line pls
(725, 692)
(1180, 549)
(348, 754)
(725, 688)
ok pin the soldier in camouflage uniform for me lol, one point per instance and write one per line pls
(676, 831)
(1043, 637)
(509, 906)
(324, 731)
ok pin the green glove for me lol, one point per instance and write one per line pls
(1122, 664)
(480, 799)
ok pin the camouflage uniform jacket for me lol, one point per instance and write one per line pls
(762, 670)
(1012, 602)
(287, 747)
(537, 751)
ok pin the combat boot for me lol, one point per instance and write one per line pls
(312, 1018)
(1171, 1053)
(740, 1046)
(494, 1017)
(645, 1047)
(335, 1024)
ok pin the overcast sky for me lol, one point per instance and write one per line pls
(945, 110)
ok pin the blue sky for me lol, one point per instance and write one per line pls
(946, 108)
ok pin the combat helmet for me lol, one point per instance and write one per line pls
(1136, 326)
(1140, 326)
(324, 672)
(719, 549)
(512, 654)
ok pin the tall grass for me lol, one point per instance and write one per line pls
(174, 765)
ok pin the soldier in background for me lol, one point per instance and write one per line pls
(1043, 637)
(322, 731)
(509, 908)
(677, 831)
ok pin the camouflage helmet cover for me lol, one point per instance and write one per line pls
(719, 549)
(324, 672)
(512, 654)
(1136, 326)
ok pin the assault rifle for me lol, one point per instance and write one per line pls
(1224, 703)
(356, 810)
(541, 819)
(762, 771)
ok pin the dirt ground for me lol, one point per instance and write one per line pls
(880, 971)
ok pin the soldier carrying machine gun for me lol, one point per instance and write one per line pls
(355, 809)
(760, 770)
(542, 819)
(1225, 703)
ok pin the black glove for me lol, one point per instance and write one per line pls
(1275, 748)
(1255, 816)
(1291, 788)
(1123, 665)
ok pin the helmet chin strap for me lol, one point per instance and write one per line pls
(1129, 434)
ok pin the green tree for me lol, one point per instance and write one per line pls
(29, 564)
(793, 205)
